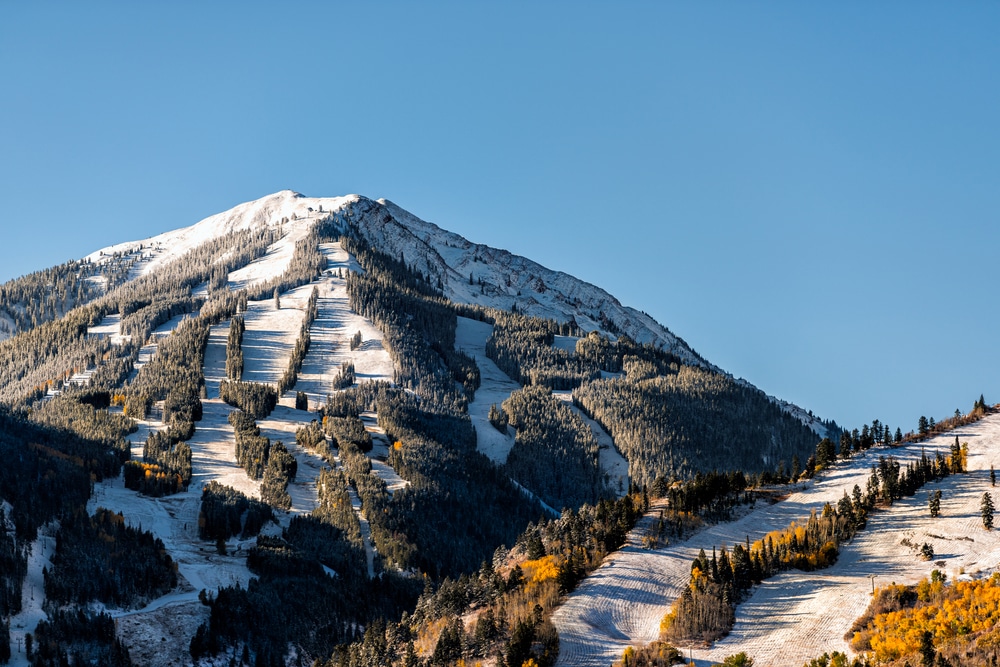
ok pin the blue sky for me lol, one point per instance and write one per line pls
(808, 194)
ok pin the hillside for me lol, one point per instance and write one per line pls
(305, 402)
(795, 616)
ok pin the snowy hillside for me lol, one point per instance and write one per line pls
(234, 359)
(470, 273)
(507, 278)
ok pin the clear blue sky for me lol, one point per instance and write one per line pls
(808, 193)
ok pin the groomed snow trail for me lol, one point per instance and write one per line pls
(32, 593)
(271, 333)
(495, 388)
(795, 616)
(331, 332)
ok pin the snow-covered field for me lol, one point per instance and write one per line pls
(795, 616)
(331, 332)
(471, 336)
(271, 334)
(281, 426)
(109, 327)
(267, 211)
(147, 351)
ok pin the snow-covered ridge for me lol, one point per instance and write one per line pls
(507, 279)
(470, 273)
(301, 213)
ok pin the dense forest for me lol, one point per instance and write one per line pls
(100, 558)
(555, 453)
(932, 622)
(691, 420)
(667, 418)
(76, 637)
(502, 609)
(46, 355)
(49, 294)
(225, 512)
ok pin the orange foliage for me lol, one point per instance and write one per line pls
(537, 572)
(967, 609)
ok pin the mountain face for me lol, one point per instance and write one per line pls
(303, 403)
(500, 279)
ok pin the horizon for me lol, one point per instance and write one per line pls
(806, 196)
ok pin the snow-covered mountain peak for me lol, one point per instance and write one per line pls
(288, 209)
(469, 272)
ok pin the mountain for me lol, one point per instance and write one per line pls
(307, 411)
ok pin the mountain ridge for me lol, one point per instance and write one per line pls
(470, 273)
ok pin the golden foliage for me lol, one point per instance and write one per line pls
(967, 609)
(541, 570)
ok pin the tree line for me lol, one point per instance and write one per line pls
(271, 463)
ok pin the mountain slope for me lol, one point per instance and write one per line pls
(294, 371)
(470, 273)
(507, 278)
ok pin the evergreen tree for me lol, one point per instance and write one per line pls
(922, 426)
(934, 503)
(993, 476)
(277, 299)
(986, 506)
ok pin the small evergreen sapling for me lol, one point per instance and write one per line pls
(934, 503)
(986, 506)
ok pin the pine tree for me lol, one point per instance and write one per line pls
(277, 299)
(986, 506)
(934, 503)
(993, 476)
(922, 426)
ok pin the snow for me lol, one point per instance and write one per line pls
(271, 334)
(366, 530)
(495, 388)
(161, 637)
(508, 278)
(109, 327)
(280, 426)
(147, 351)
(331, 333)
(265, 212)
(565, 343)
(393, 482)
(795, 616)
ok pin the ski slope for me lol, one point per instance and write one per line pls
(331, 332)
(495, 388)
(795, 616)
